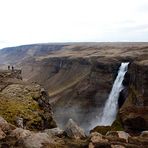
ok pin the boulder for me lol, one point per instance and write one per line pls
(101, 129)
(54, 132)
(37, 140)
(144, 134)
(74, 131)
(97, 140)
(19, 122)
(119, 134)
(20, 133)
(2, 134)
(5, 126)
(91, 145)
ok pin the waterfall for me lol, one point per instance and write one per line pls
(111, 105)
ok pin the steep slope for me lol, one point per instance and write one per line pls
(134, 111)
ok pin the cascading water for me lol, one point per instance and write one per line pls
(111, 105)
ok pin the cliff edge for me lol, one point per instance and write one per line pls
(22, 104)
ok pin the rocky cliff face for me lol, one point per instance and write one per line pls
(22, 104)
(134, 111)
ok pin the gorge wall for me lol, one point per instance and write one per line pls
(78, 88)
(135, 108)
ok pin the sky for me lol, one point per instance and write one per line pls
(43, 21)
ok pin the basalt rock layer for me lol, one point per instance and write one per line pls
(134, 111)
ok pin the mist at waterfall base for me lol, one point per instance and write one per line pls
(109, 111)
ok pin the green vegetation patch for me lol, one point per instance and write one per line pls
(27, 109)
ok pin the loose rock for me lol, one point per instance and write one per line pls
(19, 122)
(54, 132)
(5, 126)
(2, 134)
(20, 133)
(97, 137)
(74, 131)
(144, 134)
(119, 134)
(37, 140)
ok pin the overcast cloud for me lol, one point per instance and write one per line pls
(39, 21)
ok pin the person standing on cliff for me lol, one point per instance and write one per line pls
(12, 68)
(8, 67)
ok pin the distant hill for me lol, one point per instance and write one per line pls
(12, 55)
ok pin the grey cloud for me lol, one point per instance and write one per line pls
(142, 27)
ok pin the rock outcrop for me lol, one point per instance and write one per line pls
(20, 103)
(144, 134)
(134, 111)
(54, 132)
(74, 131)
(119, 134)
(37, 140)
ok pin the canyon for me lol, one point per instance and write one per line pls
(78, 78)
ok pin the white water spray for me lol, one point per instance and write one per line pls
(111, 105)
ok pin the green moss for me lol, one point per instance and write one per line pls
(27, 108)
(117, 125)
(101, 129)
